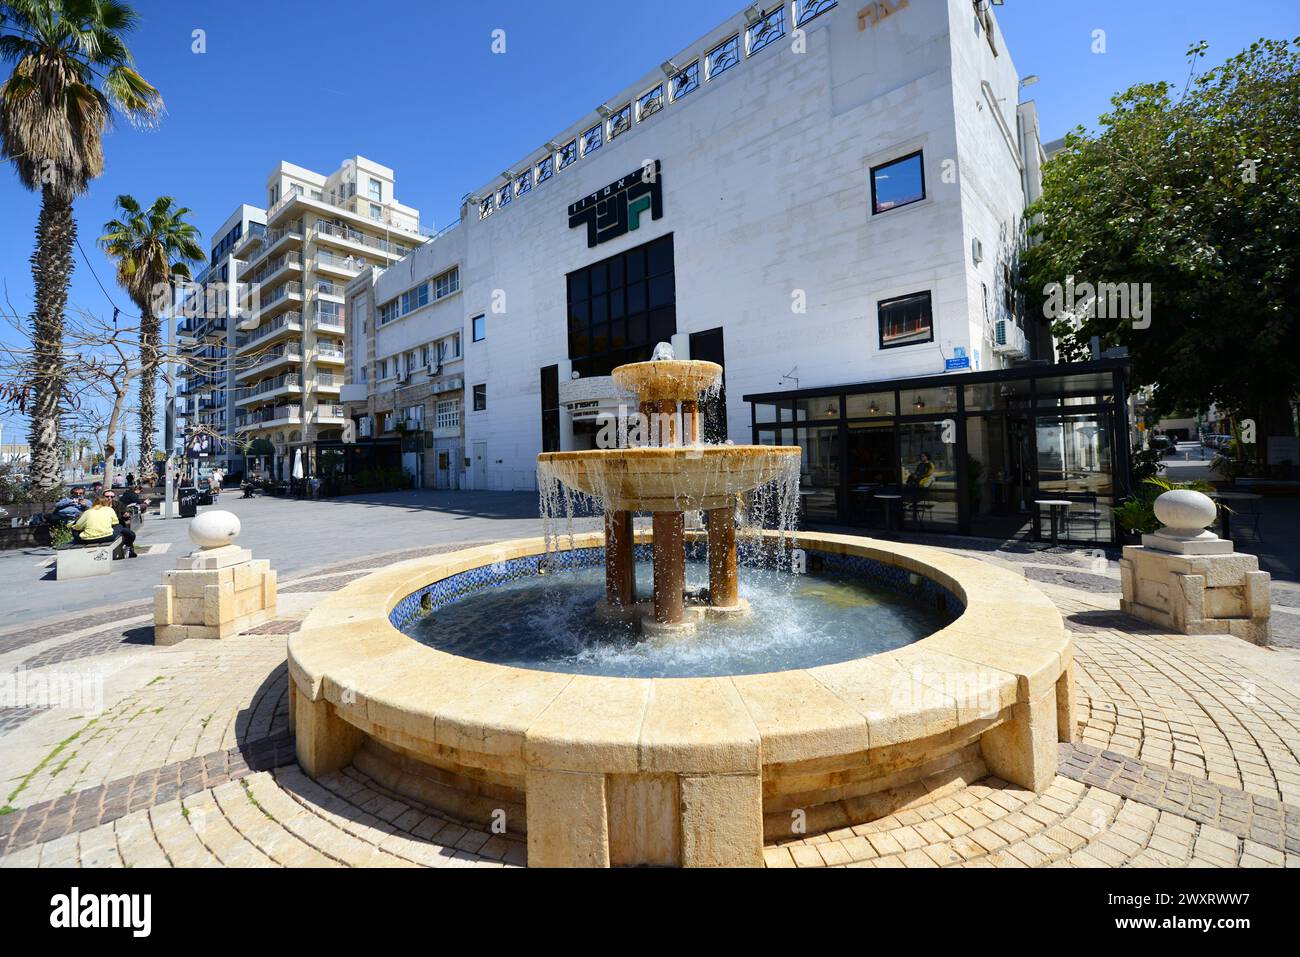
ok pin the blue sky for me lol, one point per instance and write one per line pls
(422, 92)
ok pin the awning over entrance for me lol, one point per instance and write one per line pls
(969, 453)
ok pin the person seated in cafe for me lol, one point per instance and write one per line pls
(69, 508)
(922, 478)
(101, 525)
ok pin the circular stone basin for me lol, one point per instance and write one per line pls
(693, 771)
(553, 623)
(671, 479)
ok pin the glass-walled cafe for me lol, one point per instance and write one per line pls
(979, 453)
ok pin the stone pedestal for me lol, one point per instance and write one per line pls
(215, 592)
(1191, 581)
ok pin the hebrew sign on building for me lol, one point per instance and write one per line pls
(617, 209)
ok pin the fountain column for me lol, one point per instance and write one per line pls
(669, 567)
(691, 421)
(620, 570)
(723, 589)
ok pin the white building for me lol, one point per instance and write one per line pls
(811, 194)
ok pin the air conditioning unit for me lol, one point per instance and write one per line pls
(403, 378)
(1008, 339)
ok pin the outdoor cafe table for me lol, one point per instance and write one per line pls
(1058, 507)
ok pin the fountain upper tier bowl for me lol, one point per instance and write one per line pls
(662, 380)
(672, 479)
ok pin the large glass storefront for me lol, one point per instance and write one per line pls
(970, 454)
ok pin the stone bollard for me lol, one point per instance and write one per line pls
(1187, 579)
(217, 591)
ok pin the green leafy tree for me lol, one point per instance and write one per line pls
(153, 248)
(71, 72)
(1197, 193)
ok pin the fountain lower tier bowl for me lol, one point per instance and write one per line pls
(674, 479)
(594, 770)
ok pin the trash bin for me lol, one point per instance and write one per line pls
(189, 502)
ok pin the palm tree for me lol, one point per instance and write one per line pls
(72, 70)
(153, 248)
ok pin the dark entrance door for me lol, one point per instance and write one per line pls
(707, 345)
(872, 462)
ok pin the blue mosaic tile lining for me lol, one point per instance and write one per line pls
(910, 585)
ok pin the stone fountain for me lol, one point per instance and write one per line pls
(673, 473)
(674, 766)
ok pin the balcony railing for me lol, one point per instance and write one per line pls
(288, 320)
(330, 321)
(335, 355)
(293, 287)
(290, 380)
(273, 266)
(262, 416)
(355, 236)
(345, 198)
(323, 287)
(330, 411)
(284, 353)
(347, 263)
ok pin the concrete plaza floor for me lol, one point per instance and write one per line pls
(295, 535)
(1189, 751)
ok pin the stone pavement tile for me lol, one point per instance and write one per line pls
(777, 857)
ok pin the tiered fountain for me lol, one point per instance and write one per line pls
(675, 473)
(479, 681)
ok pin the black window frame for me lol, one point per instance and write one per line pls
(880, 325)
(875, 205)
(625, 303)
(474, 328)
(477, 392)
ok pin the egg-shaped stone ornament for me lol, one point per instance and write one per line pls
(1185, 510)
(214, 529)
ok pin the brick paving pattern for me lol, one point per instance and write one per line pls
(105, 803)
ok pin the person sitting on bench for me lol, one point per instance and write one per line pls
(69, 508)
(921, 479)
(99, 525)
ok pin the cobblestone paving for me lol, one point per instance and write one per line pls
(1188, 755)
(27, 636)
(11, 718)
(118, 638)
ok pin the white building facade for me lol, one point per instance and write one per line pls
(810, 194)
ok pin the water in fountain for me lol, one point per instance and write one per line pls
(795, 621)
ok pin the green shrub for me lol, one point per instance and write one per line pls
(1137, 514)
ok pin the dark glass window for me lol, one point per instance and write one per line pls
(480, 397)
(551, 409)
(897, 183)
(906, 321)
(621, 307)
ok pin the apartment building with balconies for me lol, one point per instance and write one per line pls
(207, 315)
(319, 231)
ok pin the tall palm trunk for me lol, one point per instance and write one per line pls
(56, 232)
(149, 337)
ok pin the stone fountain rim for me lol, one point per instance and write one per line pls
(1009, 644)
(666, 452)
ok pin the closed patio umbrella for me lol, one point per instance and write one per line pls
(297, 463)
